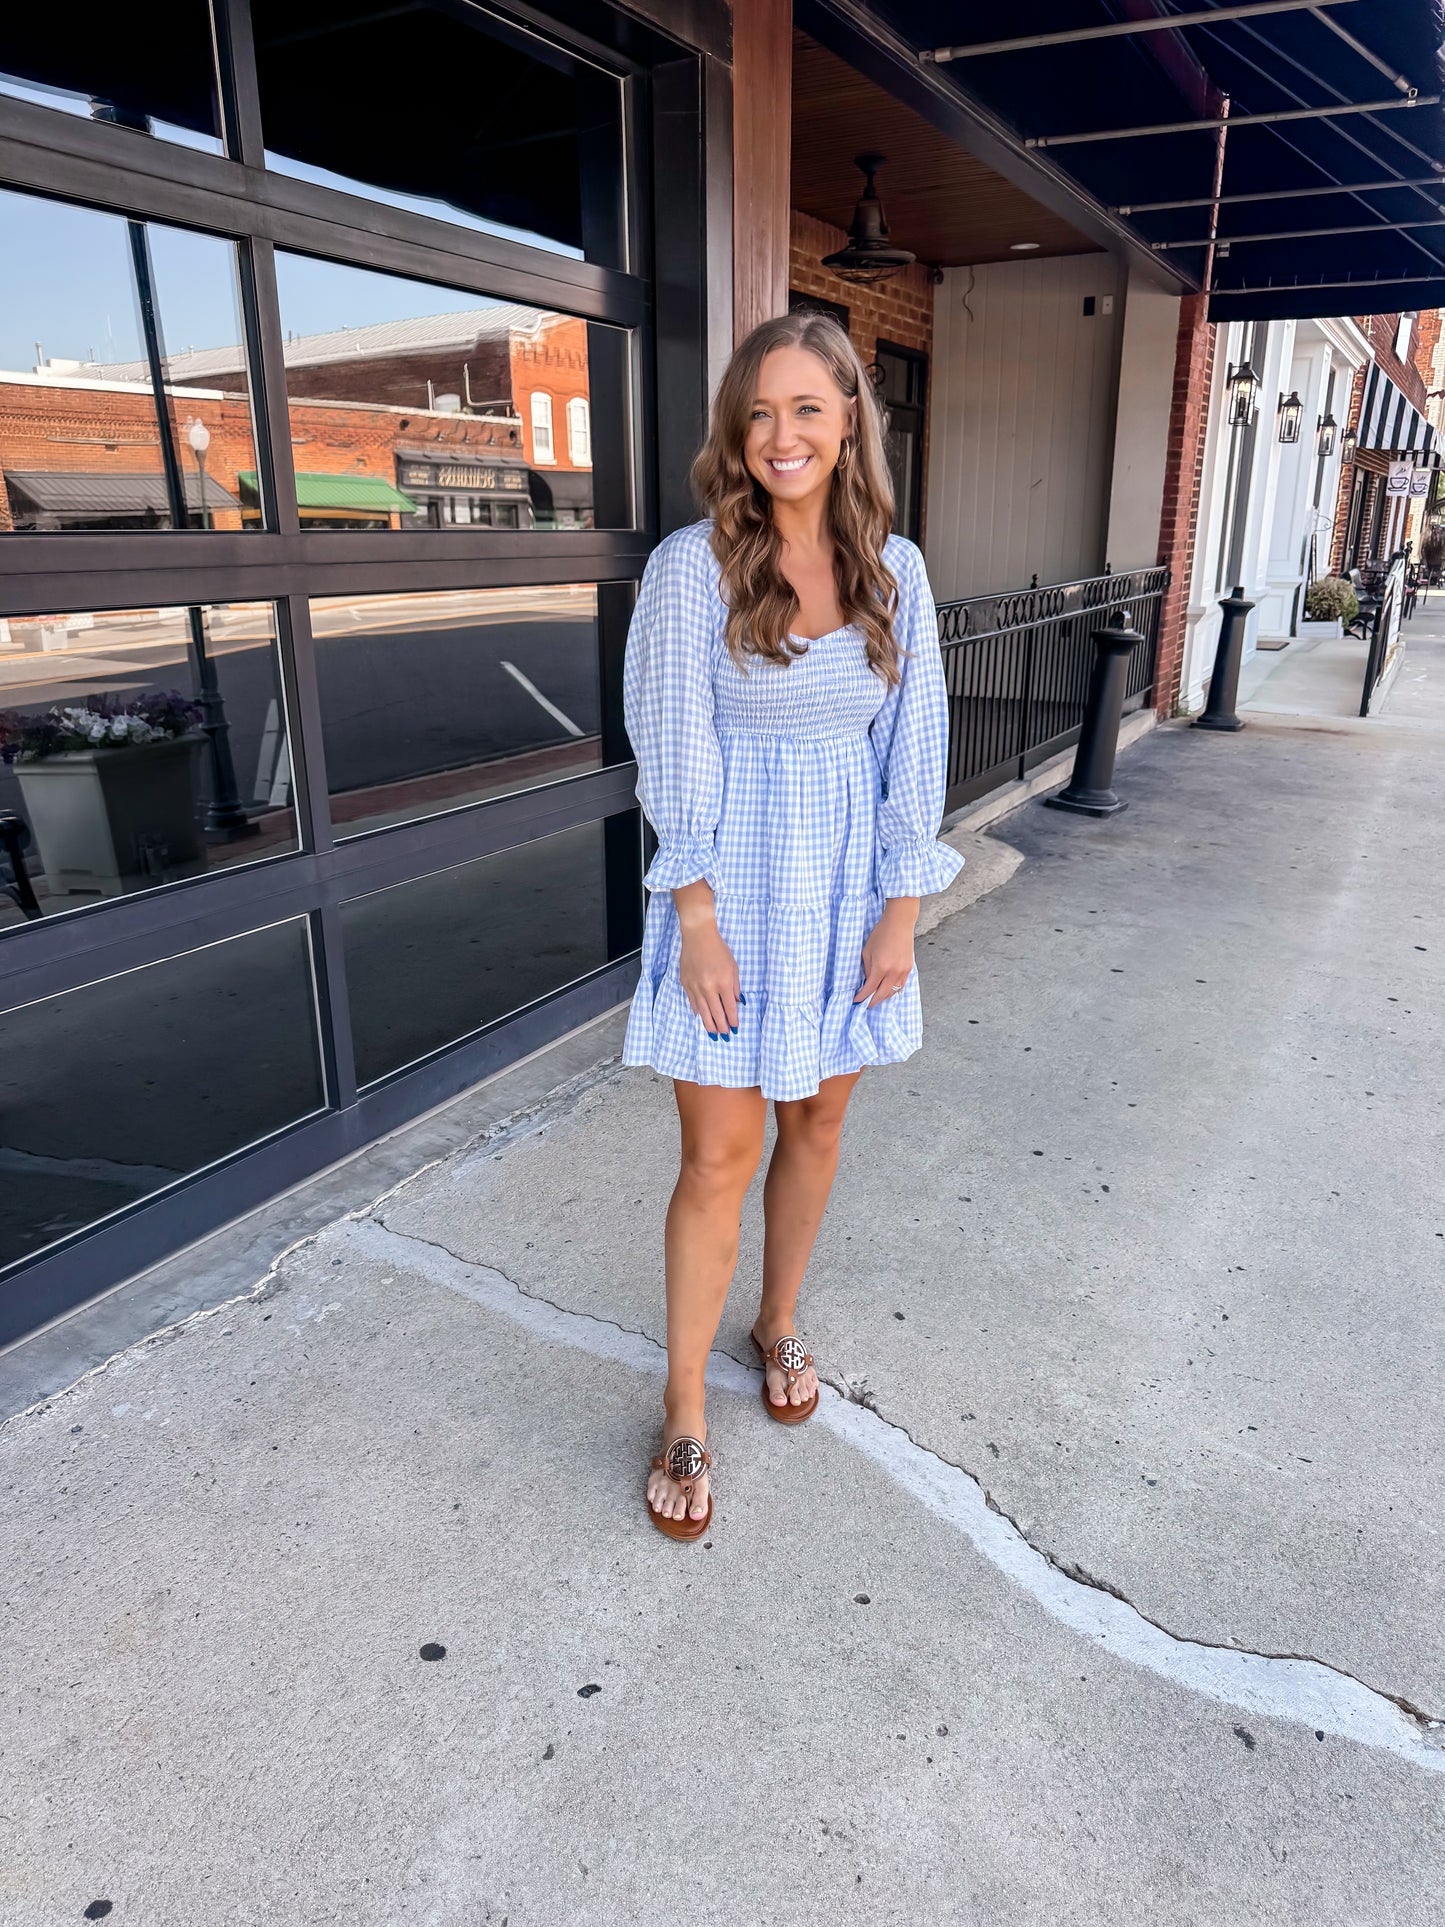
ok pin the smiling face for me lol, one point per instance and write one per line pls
(797, 424)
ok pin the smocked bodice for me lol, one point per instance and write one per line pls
(828, 692)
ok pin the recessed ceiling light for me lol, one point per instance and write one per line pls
(1022, 247)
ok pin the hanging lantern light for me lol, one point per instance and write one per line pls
(1325, 446)
(1243, 395)
(1348, 446)
(868, 256)
(1291, 414)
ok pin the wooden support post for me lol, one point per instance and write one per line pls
(762, 151)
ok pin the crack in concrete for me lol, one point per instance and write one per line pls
(1293, 1687)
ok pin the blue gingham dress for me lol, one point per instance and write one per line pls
(806, 793)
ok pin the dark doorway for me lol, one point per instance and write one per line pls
(901, 375)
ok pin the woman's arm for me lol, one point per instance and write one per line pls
(668, 712)
(910, 734)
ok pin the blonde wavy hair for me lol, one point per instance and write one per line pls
(761, 605)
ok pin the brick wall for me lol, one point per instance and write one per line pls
(1183, 479)
(899, 310)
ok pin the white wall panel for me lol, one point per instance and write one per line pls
(1022, 422)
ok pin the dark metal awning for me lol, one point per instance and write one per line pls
(50, 493)
(1286, 155)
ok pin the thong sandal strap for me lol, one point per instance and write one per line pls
(788, 1354)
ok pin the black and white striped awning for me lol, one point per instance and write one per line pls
(1392, 424)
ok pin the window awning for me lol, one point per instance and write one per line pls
(1392, 424)
(561, 488)
(51, 493)
(1331, 200)
(360, 494)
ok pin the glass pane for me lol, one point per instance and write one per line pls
(432, 701)
(415, 406)
(112, 1092)
(137, 746)
(160, 81)
(80, 433)
(472, 944)
(447, 111)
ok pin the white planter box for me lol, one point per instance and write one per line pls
(1321, 631)
(111, 820)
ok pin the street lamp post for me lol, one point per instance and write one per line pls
(198, 436)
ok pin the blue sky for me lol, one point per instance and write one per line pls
(66, 282)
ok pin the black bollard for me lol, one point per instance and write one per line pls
(1090, 789)
(1224, 683)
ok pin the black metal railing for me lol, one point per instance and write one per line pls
(1018, 665)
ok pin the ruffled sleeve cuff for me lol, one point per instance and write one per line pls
(680, 860)
(917, 867)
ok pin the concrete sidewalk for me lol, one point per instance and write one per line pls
(1107, 1588)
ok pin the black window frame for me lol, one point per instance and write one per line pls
(671, 93)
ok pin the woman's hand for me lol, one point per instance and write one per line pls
(888, 953)
(707, 968)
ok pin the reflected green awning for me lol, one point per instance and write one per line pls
(369, 494)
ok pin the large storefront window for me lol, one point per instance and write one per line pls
(508, 134)
(415, 406)
(120, 1089)
(429, 702)
(106, 422)
(341, 406)
(159, 82)
(137, 747)
(471, 944)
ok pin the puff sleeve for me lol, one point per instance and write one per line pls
(910, 740)
(668, 710)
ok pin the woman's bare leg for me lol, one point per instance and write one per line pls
(722, 1141)
(795, 1194)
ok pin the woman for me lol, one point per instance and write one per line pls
(784, 695)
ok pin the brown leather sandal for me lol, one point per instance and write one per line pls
(684, 1461)
(792, 1361)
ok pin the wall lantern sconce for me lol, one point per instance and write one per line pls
(868, 257)
(1348, 446)
(1291, 414)
(1325, 446)
(1243, 395)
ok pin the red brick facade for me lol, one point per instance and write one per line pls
(1183, 479)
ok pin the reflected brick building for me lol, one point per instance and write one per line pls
(480, 418)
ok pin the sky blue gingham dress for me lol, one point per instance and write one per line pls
(806, 794)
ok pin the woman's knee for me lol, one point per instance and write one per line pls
(813, 1124)
(719, 1163)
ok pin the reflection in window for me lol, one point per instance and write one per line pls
(160, 82)
(472, 944)
(432, 701)
(542, 427)
(137, 747)
(83, 442)
(120, 1089)
(414, 406)
(502, 131)
(579, 432)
